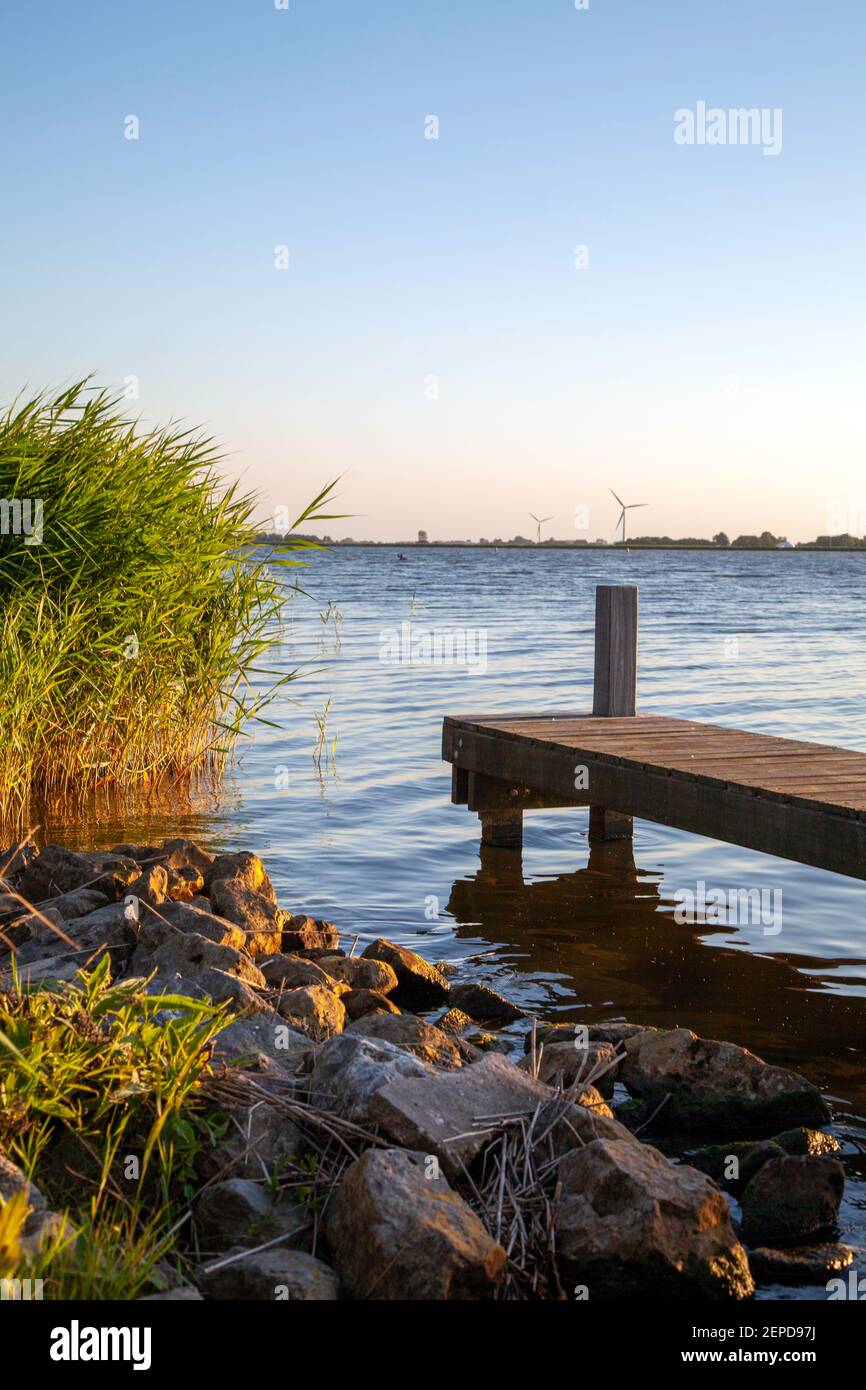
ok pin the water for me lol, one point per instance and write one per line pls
(771, 642)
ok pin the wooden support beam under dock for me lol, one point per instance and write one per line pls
(798, 800)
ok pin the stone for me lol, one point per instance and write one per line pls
(186, 919)
(807, 1141)
(111, 873)
(614, 1033)
(53, 871)
(733, 1165)
(151, 886)
(185, 854)
(14, 861)
(632, 1224)
(487, 1042)
(80, 902)
(232, 1212)
(187, 953)
(209, 984)
(359, 1003)
(484, 1005)
(406, 1031)
(443, 1112)
(13, 1181)
(398, 1231)
(419, 984)
(361, 973)
(314, 1009)
(184, 883)
(243, 868)
(455, 1021)
(264, 1041)
(259, 918)
(562, 1064)
(792, 1197)
(804, 1264)
(348, 1071)
(293, 971)
(308, 935)
(716, 1085)
(274, 1275)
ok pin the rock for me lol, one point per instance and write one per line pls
(406, 1031)
(577, 1120)
(807, 1141)
(232, 1212)
(396, 1233)
(487, 1042)
(293, 971)
(484, 1005)
(272, 1275)
(349, 1070)
(266, 1041)
(186, 919)
(259, 918)
(187, 953)
(184, 883)
(14, 861)
(359, 1003)
(53, 871)
(184, 1293)
(243, 868)
(151, 886)
(632, 1224)
(210, 984)
(443, 1112)
(614, 1033)
(805, 1264)
(111, 873)
(455, 1021)
(716, 1085)
(790, 1197)
(562, 1064)
(314, 1009)
(13, 1181)
(306, 935)
(80, 902)
(361, 973)
(185, 854)
(419, 985)
(259, 1142)
(733, 1165)
(39, 925)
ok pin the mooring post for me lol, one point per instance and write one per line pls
(615, 684)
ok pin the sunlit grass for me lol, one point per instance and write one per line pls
(133, 630)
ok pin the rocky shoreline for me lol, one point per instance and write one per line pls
(385, 1140)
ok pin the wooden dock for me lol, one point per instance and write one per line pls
(798, 800)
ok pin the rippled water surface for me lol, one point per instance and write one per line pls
(772, 642)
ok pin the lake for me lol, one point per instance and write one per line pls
(767, 641)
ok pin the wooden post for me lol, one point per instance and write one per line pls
(615, 684)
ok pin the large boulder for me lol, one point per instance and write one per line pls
(291, 972)
(632, 1224)
(188, 954)
(419, 984)
(361, 973)
(56, 870)
(789, 1198)
(562, 1064)
(397, 1230)
(349, 1070)
(707, 1085)
(447, 1113)
(309, 935)
(275, 1275)
(263, 1041)
(244, 868)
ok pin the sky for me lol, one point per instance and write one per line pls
(454, 252)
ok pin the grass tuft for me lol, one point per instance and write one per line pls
(134, 610)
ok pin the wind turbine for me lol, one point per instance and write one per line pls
(539, 520)
(625, 508)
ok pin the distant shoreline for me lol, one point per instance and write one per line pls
(629, 547)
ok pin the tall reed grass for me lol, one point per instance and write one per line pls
(134, 612)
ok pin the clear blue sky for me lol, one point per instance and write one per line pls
(710, 359)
